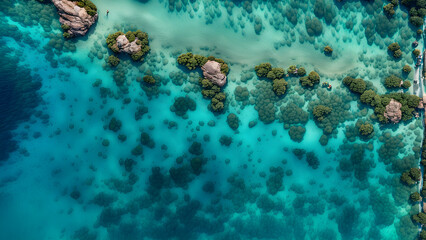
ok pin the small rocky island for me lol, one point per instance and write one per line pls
(136, 44)
(76, 17)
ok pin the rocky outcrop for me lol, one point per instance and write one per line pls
(393, 111)
(124, 45)
(75, 20)
(211, 71)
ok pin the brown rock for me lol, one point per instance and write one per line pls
(393, 111)
(124, 45)
(75, 17)
(211, 71)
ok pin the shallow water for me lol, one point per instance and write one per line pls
(58, 180)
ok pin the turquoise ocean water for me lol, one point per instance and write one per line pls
(65, 175)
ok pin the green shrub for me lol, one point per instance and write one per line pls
(411, 177)
(279, 86)
(393, 81)
(112, 40)
(388, 9)
(406, 69)
(321, 111)
(366, 129)
(130, 36)
(415, 197)
(393, 47)
(301, 72)
(397, 53)
(66, 35)
(149, 79)
(275, 73)
(406, 84)
(310, 80)
(292, 70)
(88, 5)
(113, 61)
(65, 27)
(416, 21)
(263, 69)
(416, 52)
(357, 85)
(420, 218)
(367, 96)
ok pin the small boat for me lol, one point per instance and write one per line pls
(329, 87)
(325, 84)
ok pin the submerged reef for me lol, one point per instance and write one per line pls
(19, 97)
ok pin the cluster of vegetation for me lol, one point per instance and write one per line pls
(311, 80)
(265, 70)
(420, 218)
(293, 114)
(209, 90)
(321, 111)
(411, 176)
(148, 79)
(294, 71)
(395, 82)
(90, 7)
(379, 102)
(395, 49)
(140, 37)
(415, 197)
(362, 129)
(113, 61)
(406, 69)
(65, 28)
(422, 235)
(366, 129)
(213, 92)
(357, 85)
(193, 61)
(417, 11)
(416, 52)
(389, 8)
(423, 155)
